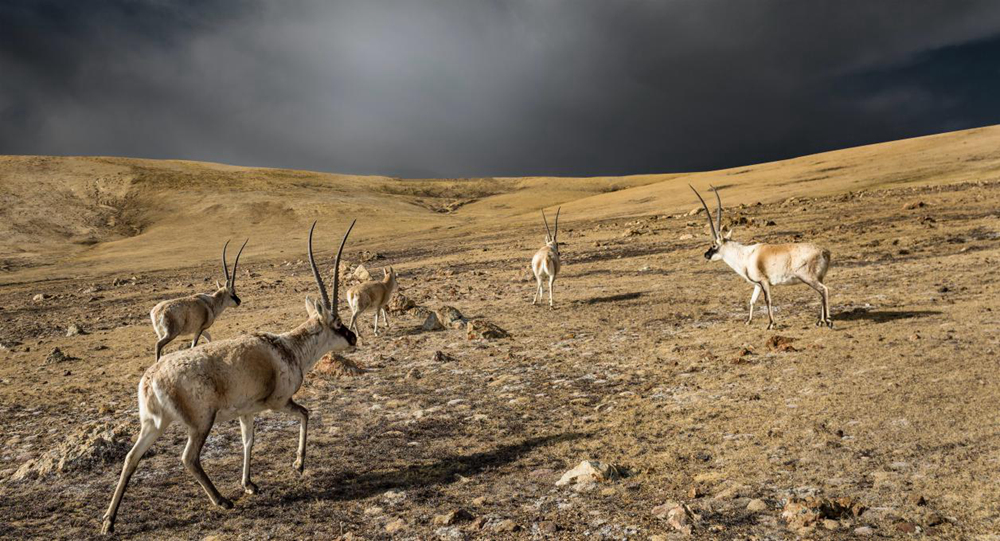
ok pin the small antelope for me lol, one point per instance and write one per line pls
(546, 260)
(195, 314)
(235, 379)
(372, 294)
(766, 265)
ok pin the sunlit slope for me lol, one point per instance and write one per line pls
(67, 216)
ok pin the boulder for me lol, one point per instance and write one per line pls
(482, 329)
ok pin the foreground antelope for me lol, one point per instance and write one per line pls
(766, 265)
(372, 294)
(232, 379)
(195, 314)
(545, 263)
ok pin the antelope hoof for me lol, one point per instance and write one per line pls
(108, 527)
(770, 326)
(251, 488)
(224, 503)
(829, 323)
(299, 466)
(747, 321)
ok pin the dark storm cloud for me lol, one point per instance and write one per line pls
(462, 88)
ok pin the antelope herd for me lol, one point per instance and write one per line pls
(242, 376)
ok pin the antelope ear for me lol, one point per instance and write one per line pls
(727, 233)
(218, 285)
(313, 308)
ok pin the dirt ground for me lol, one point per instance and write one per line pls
(645, 363)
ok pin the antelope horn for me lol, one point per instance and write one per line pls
(316, 275)
(225, 268)
(718, 213)
(547, 226)
(336, 267)
(557, 223)
(708, 213)
(232, 281)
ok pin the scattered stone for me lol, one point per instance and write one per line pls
(914, 205)
(756, 505)
(482, 329)
(743, 356)
(367, 256)
(449, 316)
(479, 500)
(452, 517)
(74, 330)
(41, 297)
(587, 474)
(864, 531)
(918, 500)
(57, 356)
(547, 527)
(695, 492)
(338, 367)
(395, 526)
(432, 323)
(89, 448)
(414, 373)
(631, 233)
(696, 210)
(361, 273)
(442, 357)
(682, 519)
(781, 343)
(811, 510)
(401, 303)
(477, 524)
(830, 524)
(507, 525)
(906, 527)
(685, 236)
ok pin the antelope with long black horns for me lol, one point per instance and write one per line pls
(766, 265)
(545, 263)
(193, 315)
(235, 379)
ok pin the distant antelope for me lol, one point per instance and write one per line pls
(232, 379)
(196, 313)
(766, 265)
(545, 263)
(372, 294)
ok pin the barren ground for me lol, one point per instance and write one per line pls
(644, 363)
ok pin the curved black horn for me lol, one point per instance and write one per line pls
(557, 223)
(718, 213)
(336, 266)
(547, 226)
(232, 281)
(316, 275)
(225, 267)
(708, 213)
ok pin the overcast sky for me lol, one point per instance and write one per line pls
(422, 88)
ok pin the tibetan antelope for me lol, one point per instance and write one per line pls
(766, 265)
(545, 263)
(195, 314)
(235, 379)
(374, 295)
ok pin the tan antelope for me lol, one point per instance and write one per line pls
(235, 379)
(374, 295)
(766, 265)
(545, 263)
(195, 314)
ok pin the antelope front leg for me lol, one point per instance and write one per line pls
(552, 279)
(303, 415)
(247, 429)
(753, 299)
(197, 434)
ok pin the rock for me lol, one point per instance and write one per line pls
(449, 316)
(442, 357)
(479, 500)
(695, 492)
(589, 472)
(696, 210)
(507, 525)
(74, 330)
(682, 519)
(432, 323)
(906, 527)
(756, 505)
(414, 373)
(631, 233)
(401, 303)
(482, 329)
(57, 356)
(547, 527)
(914, 205)
(361, 273)
(41, 297)
(830, 524)
(781, 343)
(90, 448)
(811, 510)
(337, 366)
(367, 256)
(395, 526)
(864, 531)
(685, 236)
(452, 517)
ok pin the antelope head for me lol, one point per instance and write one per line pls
(323, 312)
(720, 240)
(228, 293)
(552, 240)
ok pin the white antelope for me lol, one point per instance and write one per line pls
(195, 314)
(545, 263)
(374, 295)
(235, 379)
(766, 265)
